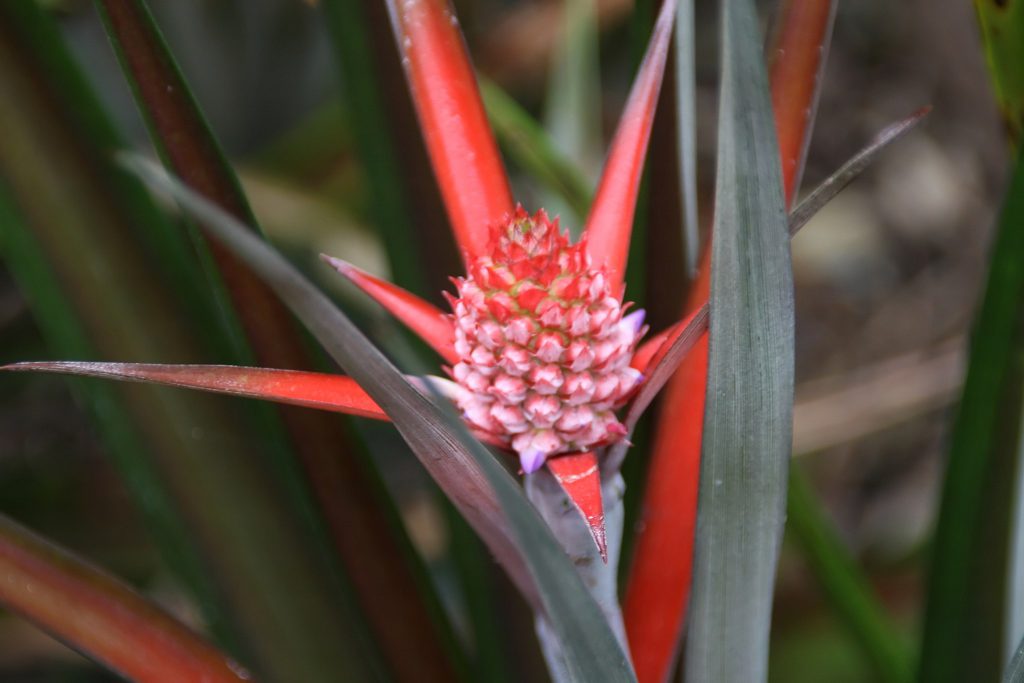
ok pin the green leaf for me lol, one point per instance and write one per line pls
(1002, 31)
(748, 419)
(404, 201)
(572, 112)
(1015, 669)
(686, 129)
(967, 592)
(389, 206)
(844, 585)
(471, 476)
(530, 147)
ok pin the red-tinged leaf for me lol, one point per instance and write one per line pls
(335, 393)
(101, 617)
(430, 323)
(657, 592)
(682, 338)
(579, 477)
(796, 62)
(459, 139)
(645, 352)
(652, 352)
(610, 222)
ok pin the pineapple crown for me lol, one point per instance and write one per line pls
(543, 344)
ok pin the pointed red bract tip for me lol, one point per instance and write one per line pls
(579, 477)
(610, 222)
(335, 393)
(430, 323)
(459, 140)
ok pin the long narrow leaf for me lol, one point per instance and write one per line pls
(686, 119)
(389, 206)
(1015, 669)
(748, 424)
(1002, 30)
(572, 103)
(836, 182)
(101, 617)
(469, 474)
(964, 617)
(428, 322)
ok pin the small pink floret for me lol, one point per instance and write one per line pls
(543, 344)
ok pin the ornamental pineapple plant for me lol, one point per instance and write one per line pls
(542, 356)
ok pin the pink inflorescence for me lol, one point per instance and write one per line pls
(543, 344)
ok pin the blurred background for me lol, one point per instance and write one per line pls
(887, 277)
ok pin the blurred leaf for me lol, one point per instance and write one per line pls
(473, 479)
(529, 146)
(967, 592)
(837, 182)
(797, 59)
(1002, 31)
(844, 585)
(65, 333)
(277, 592)
(389, 207)
(405, 199)
(1015, 669)
(572, 111)
(686, 122)
(392, 597)
(101, 617)
(748, 424)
